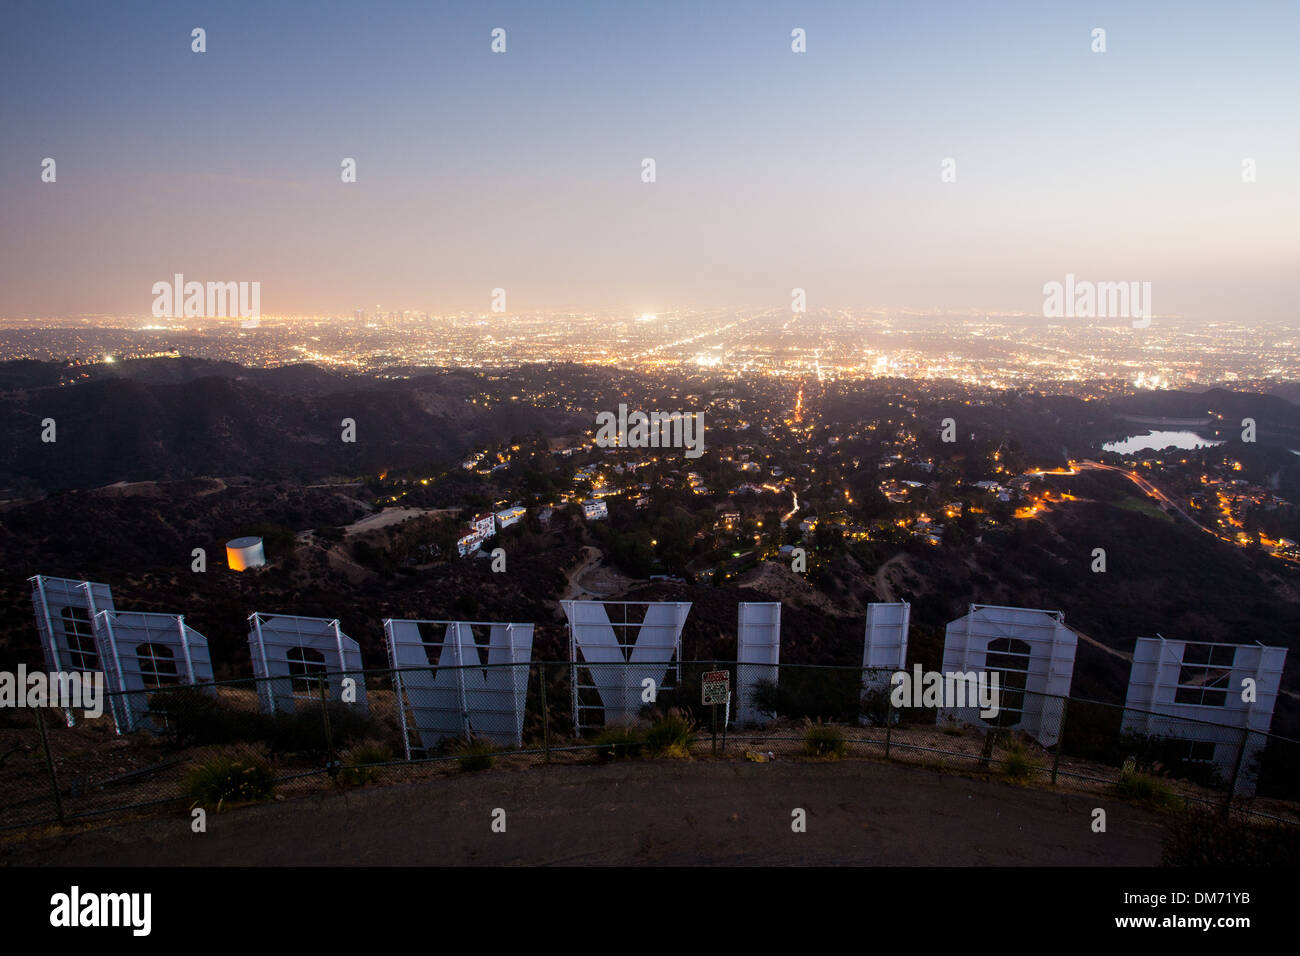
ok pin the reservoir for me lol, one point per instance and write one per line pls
(1154, 441)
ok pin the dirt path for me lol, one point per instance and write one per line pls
(647, 813)
(572, 589)
(1102, 647)
(884, 590)
(391, 516)
(220, 486)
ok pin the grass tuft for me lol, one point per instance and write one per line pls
(475, 753)
(824, 741)
(224, 779)
(1145, 789)
(1017, 765)
(671, 735)
(357, 771)
(619, 743)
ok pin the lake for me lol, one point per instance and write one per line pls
(1154, 441)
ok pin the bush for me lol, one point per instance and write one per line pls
(819, 694)
(1095, 732)
(618, 743)
(357, 771)
(192, 717)
(240, 778)
(189, 717)
(475, 753)
(824, 741)
(671, 735)
(1167, 756)
(1204, 837)
(1017, 764)
(303, 731)
(1145, 789)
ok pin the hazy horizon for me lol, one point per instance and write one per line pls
(774, 170)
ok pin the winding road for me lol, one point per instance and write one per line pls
(1151, 491)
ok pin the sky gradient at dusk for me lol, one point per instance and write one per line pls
(775, 170)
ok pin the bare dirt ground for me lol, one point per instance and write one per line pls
(573, 590)
(884, 585)
(390, 516)
(646, 812)
(591, 579)
(777, 580)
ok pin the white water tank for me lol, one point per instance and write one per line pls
(245, 553)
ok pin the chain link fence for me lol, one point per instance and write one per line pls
(243, 740)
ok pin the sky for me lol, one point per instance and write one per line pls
(774, 170)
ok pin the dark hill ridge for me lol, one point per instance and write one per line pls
(29, 373)
(1287, 390)
(26, 373)
(282, 423)
(171, 418)
(1272, 413)
(1163, 577)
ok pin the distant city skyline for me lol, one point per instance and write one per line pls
(1089, 358)
(775, 170)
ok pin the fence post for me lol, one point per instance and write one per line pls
(330, 763)
(726, 717)
(1236, 772)
(1060, 737)
(49, 763)
(990, 742)
(546, 729)
(889, 720)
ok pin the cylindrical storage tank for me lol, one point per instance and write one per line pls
(245, 553)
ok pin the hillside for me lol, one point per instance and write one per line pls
(186, 418)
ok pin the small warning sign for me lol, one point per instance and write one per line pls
(715, 687)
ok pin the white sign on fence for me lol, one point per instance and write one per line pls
(715, 687)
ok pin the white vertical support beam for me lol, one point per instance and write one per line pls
(398, 688)
(119, 705)
(264, 688)
(185, 646)
(51, 646)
